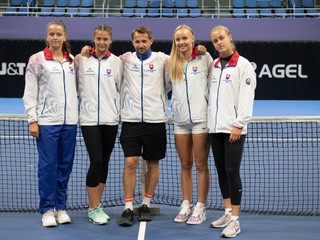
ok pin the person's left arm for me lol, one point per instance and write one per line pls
(246, 94)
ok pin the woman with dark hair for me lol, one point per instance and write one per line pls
(50, 100)
(99, 78)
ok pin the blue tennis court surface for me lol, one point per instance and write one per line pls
(253, 226)
(27, 226)
(261, 107)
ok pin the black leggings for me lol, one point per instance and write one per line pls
(99, 141)
(227, 158)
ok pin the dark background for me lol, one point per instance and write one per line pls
(306, 54)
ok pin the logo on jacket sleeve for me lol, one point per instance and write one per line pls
(248, 81)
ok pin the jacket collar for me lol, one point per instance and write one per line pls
(48, 55)
(232, 62)
(93, 53)
(144, 56)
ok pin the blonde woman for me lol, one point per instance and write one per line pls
(188, 77)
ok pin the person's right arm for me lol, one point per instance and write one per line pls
(30, 97)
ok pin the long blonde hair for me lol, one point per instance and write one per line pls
(176, 61)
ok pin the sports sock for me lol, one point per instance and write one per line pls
(128, 203)
(147, 199)
(227, 210)
(234, 217)
(200, 205)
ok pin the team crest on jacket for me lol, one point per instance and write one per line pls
(227, 79)
(248, 81)
(151, 67)
(195, 70)
(71, 69)
(108, 72)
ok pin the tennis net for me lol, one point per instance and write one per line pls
(280, 170)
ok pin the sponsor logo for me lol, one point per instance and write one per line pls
(280, 71)
(12, 68)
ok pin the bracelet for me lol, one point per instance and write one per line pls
(237, 127)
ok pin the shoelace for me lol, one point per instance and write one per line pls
(184, 209)
(50, 212)
(232, 224)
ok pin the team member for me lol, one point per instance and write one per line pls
(50, 100)
(143, 113)
(232, 86)
(188, 75)
(99, 83)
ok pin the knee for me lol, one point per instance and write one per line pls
(202, 165)
(186, 165)
(233, 173)
(131, 164)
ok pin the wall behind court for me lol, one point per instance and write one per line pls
(285, 70)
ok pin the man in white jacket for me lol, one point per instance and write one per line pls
(143, 116)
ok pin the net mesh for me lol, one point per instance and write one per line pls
(280, 170)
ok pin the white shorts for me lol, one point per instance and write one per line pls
(191, 128)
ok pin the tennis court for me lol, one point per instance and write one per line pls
(280, 175)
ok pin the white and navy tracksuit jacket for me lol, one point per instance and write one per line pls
(189, 102)
(143, 97)
(50, 95)
(231, 95)
(99, 84)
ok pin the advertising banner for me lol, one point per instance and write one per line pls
(285, 70)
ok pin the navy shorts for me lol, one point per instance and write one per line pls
(148, 140)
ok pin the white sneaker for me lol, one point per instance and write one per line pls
(232, 229)
(103, 212)
(199, 214)
(185, 212)
(48, 219)
(62, 217)
(222, 221)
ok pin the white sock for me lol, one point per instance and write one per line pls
(200, 205)
(185, 202)
(128, 205)
(146, 199)
(234, 217)
(227, 210)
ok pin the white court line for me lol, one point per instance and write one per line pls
(142, 230)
